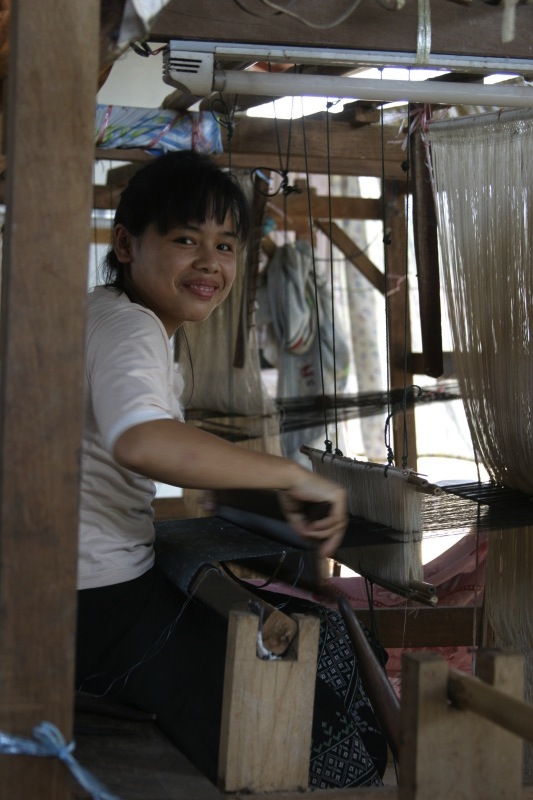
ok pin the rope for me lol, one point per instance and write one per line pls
(386, 242)
(406, 168)
(332, 282)
(48, 742)
(310, 24)
(327, 442)
(226, 120)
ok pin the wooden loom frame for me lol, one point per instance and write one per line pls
(50, 101)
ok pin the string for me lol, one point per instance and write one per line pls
(227, 121)
(317, 25)
(386, 242)
(332, 283)
(285, 188)
(327, 442)
(254, 13)
(369, 589)
(475, 615)
(406, 168)
(48, 742)
(230, 351)
(401, 406)
(152, 651)
(95, 226)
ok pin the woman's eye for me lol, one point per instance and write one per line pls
(225, 247)
(184, 240)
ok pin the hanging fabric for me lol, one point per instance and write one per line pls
(483, 179)
(483, 174)
(288, 311)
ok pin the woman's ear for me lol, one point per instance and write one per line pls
(122, 243)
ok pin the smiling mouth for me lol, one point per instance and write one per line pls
(202, 290)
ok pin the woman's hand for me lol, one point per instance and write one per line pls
(317, 509)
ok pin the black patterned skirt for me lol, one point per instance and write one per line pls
(143, 643)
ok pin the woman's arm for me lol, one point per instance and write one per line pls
(180, 454)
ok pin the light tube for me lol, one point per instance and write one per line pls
(448, 93)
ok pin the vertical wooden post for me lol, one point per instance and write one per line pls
(50, 113)
(267, 713)
(399, 331)
(446, 752)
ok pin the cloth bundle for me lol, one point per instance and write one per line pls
(157, 129)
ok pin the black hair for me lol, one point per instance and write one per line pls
(173, 190)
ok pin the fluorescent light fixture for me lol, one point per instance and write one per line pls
(195, 73)
(351, 59)
(296, 107)
(448, 93)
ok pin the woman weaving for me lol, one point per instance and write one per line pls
(177, 231)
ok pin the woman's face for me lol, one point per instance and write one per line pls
(183, 275)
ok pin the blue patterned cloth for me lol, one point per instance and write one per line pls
(157, 129)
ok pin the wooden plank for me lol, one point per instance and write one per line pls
(473, 29)
(136, 761)
(351, 151)
(267, 704)
(133, 154)
(101, 236)
(218, 591)
(398, 317)
(169, 508)
(322, 207)
(353, 253)
(344, 163)
(50, 116)
(492, 703)
(446, 752)
(418, 626)
(372, 793)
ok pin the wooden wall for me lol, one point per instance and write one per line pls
(50, 113)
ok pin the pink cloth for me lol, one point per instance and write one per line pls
(458, 576)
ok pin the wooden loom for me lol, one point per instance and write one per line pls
(40, 425)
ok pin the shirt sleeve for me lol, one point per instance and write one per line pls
(128, 368)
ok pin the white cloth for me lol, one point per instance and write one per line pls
(130, 378)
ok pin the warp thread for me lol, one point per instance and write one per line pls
(48, 742)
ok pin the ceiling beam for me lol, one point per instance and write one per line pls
(350, 151)
(456, 29)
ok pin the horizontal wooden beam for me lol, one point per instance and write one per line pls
(306, 146)
(254, 144)
(443, 626)
(345, 151)
(473, 29)
(323, 207)
(223, 594)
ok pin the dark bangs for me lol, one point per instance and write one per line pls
(181, 188)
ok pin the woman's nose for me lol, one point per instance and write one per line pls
(206, 259)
